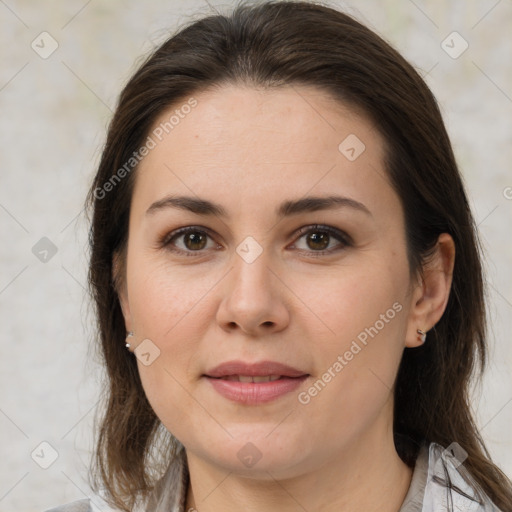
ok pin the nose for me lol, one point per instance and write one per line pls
(253, 298)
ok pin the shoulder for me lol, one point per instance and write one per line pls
(441, 482)
(449, 481)
(74, 506)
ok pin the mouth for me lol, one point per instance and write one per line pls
(257, 383)
(270, 369)
(249, 378)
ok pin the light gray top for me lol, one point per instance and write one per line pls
(426, 493)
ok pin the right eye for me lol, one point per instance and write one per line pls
(193, 240)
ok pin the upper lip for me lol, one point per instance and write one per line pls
(259, 369)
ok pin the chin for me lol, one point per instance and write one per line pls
(253, 454)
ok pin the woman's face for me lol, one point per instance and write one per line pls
(301, 261)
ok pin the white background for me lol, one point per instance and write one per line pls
(53, 117)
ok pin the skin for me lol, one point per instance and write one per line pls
(248, 150)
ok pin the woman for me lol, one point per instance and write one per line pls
(287, 279)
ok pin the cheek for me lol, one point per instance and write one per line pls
(358, 356)
(166, 308)
(173, 402)
(344, 301)
(163, 298)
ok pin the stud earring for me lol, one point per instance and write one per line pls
(129, 334)
(422, 335)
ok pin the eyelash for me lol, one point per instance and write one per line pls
(346, 241)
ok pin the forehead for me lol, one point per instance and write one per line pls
(288, 115)
(237, 142)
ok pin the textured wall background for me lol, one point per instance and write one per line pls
(54, 111)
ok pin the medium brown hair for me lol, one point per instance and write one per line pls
(271, 44)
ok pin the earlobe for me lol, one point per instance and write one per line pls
(432, 293)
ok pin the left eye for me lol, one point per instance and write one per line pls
(319, 238)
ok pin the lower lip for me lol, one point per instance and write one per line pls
(252, 393)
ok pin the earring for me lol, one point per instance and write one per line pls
(129, 334)
(422, 335)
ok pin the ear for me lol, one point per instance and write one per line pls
(119, 280)
(430, 296)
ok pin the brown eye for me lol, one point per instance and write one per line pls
(318, 240)
(188, 240)
(195, 240)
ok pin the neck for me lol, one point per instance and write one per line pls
(367, 475)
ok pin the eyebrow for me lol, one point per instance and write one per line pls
(287, 208)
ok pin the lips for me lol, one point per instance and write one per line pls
(249, 378)
(261, 369)
(253, 384)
